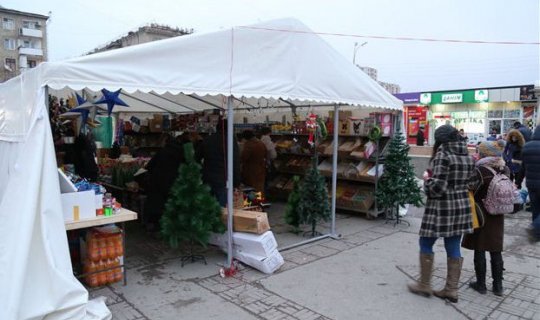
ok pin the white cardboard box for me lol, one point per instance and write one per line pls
(78, 205)
(268, 264)
(261, 245)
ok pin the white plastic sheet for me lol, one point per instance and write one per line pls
(36, 275)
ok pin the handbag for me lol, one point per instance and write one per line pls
(478, 217)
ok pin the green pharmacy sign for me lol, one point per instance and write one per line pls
(468, 96)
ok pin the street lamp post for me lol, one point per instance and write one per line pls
(356, 47)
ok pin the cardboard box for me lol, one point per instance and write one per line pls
(260, 245)
(343, 115)
(78, 205)
(343, 126)
(356, 126)
(155, 125)
(268, 264)
(248, 221)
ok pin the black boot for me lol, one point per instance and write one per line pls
(497, 273)
(480, 270)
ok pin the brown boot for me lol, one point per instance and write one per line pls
(450, 291)
(423, 285)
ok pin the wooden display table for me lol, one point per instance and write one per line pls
(121, 217)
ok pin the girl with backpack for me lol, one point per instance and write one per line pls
(448, 211)
(489, 171)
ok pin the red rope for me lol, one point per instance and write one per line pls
(395, 38)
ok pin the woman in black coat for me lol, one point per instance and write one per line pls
(531, 161)
(162, 171)
(490, 236)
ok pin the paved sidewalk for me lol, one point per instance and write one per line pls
(361, 276)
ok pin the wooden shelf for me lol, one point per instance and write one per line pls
(359, 179)
(123, 215)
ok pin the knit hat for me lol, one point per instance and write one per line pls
(491, 148)
(446, 133)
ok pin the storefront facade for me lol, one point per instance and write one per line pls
(479, 112)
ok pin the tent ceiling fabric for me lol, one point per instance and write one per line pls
(271, 60)
(244, 61)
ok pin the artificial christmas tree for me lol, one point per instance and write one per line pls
(397, 187)
(191, 212)
(313, 205)
(291, 211)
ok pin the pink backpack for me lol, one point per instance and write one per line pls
(500, 194)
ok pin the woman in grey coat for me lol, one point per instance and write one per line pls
(448, 211)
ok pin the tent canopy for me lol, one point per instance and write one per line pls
(277, 60)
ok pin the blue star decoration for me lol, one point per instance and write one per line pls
(111, 99)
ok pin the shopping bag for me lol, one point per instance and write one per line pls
(477, 213)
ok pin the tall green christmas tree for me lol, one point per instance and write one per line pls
(313, 205)
(191, 212)
(397, 187)
(291, 211)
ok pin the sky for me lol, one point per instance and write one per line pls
(78, 26)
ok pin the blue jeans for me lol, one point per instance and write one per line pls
(451, 244)
(535, 202)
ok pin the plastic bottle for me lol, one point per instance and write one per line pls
(118, 275)
(107, 205)
(102, 244)
(91, 279)
(111, 246)
(93, 248)
(110, 273)
(102, 276)
(119, 245)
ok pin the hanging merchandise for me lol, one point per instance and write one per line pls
(316, 128)
(375, 133)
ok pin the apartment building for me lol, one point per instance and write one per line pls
(24, 37)
(148, 33)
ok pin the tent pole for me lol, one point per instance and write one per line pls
(334, 167)
(230, 184)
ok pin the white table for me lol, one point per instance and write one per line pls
(121, 217)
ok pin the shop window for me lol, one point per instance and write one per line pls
(32, 63)
(508, 124)
(10, 64)
(512, 113)
(9, 44)
(8, 24)
(495, 125)
(495, 114)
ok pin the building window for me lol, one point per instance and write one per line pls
(32, 63)
(9, 44)
(10, 65)
(8, 24)
(31, 24)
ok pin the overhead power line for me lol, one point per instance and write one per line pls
(396, 38)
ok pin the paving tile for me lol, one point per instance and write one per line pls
(320, 251)
(123, 311)
(299, 257)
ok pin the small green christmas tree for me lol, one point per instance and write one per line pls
(191, 212)
(291, 211)
(313, 205)
(397, 187)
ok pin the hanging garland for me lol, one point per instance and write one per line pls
(375, 133)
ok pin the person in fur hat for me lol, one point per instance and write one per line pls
(448, 211)
(490, 236)
(512, 155)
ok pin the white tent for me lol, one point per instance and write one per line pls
(279, 60)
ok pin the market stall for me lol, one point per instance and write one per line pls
(280, 62)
